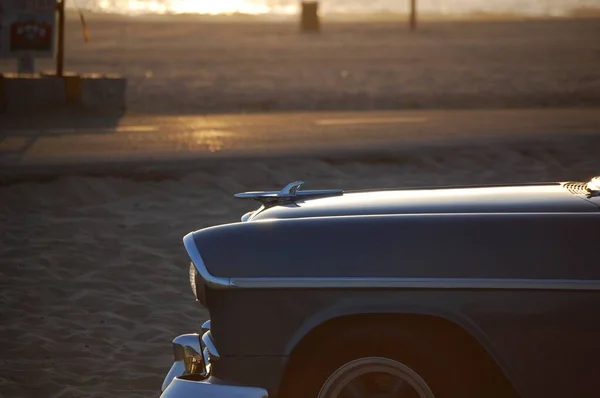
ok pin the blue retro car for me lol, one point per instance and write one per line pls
(469, 291)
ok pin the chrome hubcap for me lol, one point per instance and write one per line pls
(375, 377)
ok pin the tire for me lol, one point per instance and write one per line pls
(453, 367)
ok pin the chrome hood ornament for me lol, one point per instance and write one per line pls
(289, 194)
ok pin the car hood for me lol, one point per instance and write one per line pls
(543, 198)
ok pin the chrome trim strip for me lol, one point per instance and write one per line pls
(182, 388)
(206, 355)
(416, 283)
(213, 281)
(206, 326)
(208, 342)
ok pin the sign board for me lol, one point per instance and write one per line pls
(27, 28)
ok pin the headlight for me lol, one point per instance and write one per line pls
(193, 274)
(197, 284)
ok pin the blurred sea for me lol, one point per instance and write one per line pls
(440, 7)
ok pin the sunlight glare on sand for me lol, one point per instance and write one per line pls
(218, 7)
(288, 7)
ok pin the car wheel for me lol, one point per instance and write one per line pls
(375, 377)
(391, 363)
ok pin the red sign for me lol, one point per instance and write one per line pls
(27, 28)
(31, 35)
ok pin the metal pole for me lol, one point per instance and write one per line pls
(413, 15)
(60, 54)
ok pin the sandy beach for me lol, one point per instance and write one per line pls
(187, 64)
(94, 278)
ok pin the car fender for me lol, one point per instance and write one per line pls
(354, 307)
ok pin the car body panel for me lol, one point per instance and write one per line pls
(514, 266)
(405, 246)
(492, 199)
(552, 328)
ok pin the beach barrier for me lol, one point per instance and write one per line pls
(102, 92)
(46, 92)
(21, 92)
(31, 92)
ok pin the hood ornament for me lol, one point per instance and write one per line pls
(291, 193)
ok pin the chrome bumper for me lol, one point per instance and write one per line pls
(182, 388)
(190, 374)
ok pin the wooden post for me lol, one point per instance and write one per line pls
(413, 15)
(309, 20)
(60, 53)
